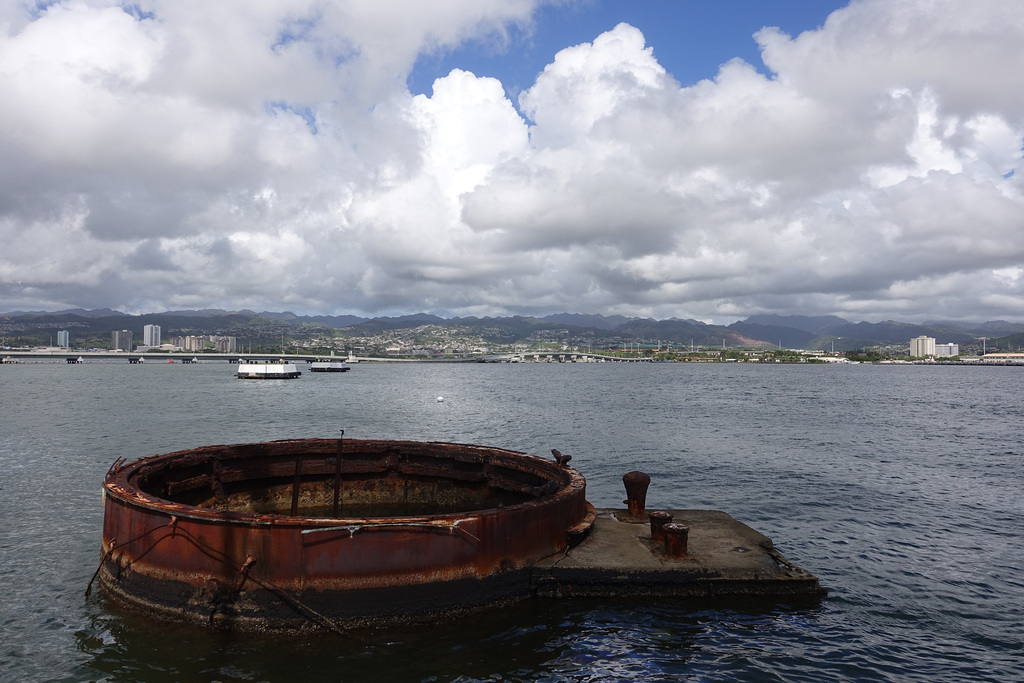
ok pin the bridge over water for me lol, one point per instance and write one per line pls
(164, 357)
(71, 356)
(562, 357)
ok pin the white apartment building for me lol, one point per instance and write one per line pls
(922, 347)
(225, 344)
(201, 343)
(193, 343)
(947, 350)
(151, 335)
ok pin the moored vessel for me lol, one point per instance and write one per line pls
(271, 370)
(328, 366)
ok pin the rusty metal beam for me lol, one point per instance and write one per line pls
(337, 476)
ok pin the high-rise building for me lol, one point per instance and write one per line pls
(151, 335)
(922, 347)
(195, 343)
(121, 341)
(63, 339)
(224, 344)
(947, 349)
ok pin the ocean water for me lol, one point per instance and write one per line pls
(899, 487)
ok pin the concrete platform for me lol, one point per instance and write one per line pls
(725, 557)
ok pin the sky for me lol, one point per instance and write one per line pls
(665, 159)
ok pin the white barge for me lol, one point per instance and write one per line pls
(272, 370)
(328, 366)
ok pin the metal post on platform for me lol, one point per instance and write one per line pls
(658, 521)
(636, 493)
(676, 537)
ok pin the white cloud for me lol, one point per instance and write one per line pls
(588, 82)
(468, 127)
(266, 155)
(970, 55)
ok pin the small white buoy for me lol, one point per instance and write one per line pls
(440, 399)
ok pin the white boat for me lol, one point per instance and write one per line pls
(271, 370)
(328, 366)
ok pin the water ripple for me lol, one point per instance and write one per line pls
(905, 505)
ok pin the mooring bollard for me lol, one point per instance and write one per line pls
(676, 536)
(636, 493)
(658, 520)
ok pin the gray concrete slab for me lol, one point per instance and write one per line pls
(725, 557)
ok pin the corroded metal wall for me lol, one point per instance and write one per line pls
(184, 535)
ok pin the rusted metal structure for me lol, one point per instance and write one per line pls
(288, 534)
(658, 519)
(636, 484)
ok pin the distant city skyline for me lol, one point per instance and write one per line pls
(221, 330)
(661, 159)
